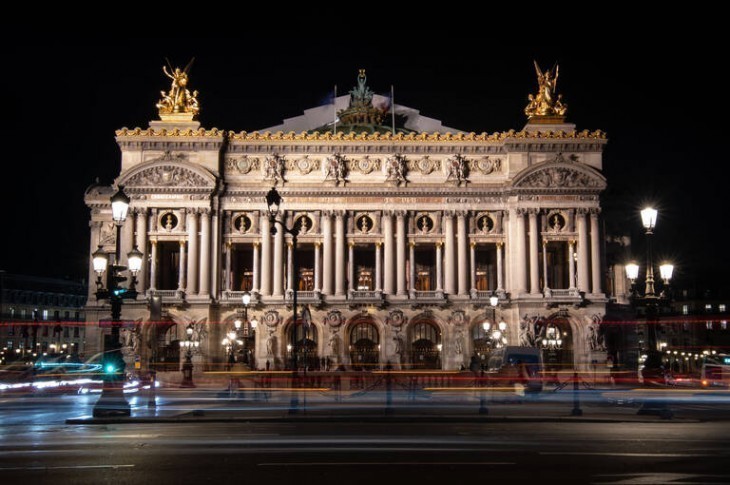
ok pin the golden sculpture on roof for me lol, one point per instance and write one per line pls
(178, 104)
(546, 105)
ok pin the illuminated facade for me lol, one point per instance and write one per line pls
(406, 231)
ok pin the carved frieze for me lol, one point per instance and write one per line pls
(334, 318)
(304, 165)
(486, 165)
(425, 165)
(364, 165)
(167, 176)
(272, 318)
(559, 177)
(243, 164)
(396, 318)
(274, 168)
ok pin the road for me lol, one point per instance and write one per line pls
(353, 453)
(537, 441)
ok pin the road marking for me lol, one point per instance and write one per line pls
(641, 455)
(383, 463)
(70, 467)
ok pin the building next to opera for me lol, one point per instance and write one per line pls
(406, 229)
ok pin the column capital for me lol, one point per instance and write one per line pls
(191, 210)
(351, 244)
(521, 211)
(461, 213)
(544, 242)
(317, 244)
(533, 211)
(256, 244)
(153, 241)
(500, 244)
(571, 242)
(378, 244)
(339, 214)
(581, 211)
(182, 242)
(449, 212)
(473, 244)
(400, 214)
(388, 212)
(594, 211)
(412, 244)
(439, 244)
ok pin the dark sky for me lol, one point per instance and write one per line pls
(67, 97)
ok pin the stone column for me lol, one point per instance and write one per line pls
(463, 254)
(229, 269)
(388, 260)
(571, 264)
(256, 283)
(214, 261)
(204, 286)
(289, 267)
(534, 266)
(401, 252)
(265, 256)
(142, 246)
(351, 267)
(473, 268)
(327, 255)
(595, 253)
(192, 276)
(127, 238)
(544, 266)
(412, 265)
(520, 256)
(181, 269)
(500, 271)
(278, 289)
(378, 268)
(317, 268)
(153, 265)
(583, 245)
(340, 253)
(439, 268)
(450, 283)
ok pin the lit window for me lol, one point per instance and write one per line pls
(10, 345)
(708, 324)
(45, 314)
(723, 324)
(722, 308)
(708, 307)
(685, 309)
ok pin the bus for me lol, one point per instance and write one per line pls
(716, 371)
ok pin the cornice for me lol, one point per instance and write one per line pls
(255, 136)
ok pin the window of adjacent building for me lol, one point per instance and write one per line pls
(45, 330)
(66, 315)
(76, 316)
(11, 330)
(708, 307)
(45, 314)
(685, 309)
(66, 332)
(76, 332)
(685, 326)
(723, 324)
(22, 314)
(10, 345)
(708, 324)
(722, 308)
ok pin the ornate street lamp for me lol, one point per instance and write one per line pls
(273, 202)
(112, 401)
(650, 300)
(190, 344)
(496, 338)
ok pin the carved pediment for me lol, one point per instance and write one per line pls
(168, 175)
(560, 175)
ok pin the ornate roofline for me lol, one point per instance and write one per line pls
(559, 174)
(497, 137)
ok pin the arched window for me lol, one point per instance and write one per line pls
(426, 345)
(364, 345)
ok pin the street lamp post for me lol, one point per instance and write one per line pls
(189, 344)
(650, 300)
(112, 401)
(273, 201)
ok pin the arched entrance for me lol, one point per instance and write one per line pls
(364, 345)
(165, 348)
(425, 345)
(302, 339)
(555, 338)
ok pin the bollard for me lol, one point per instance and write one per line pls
(577, 411)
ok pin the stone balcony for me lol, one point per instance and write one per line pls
(365, 297)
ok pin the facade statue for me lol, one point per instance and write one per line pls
(456, 167)
(398, 340)
(336, 168)
(274, 166)
(178, 102)
(270, 342)
(334, 343)
(396, 169)
(546, 102)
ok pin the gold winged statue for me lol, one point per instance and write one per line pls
(546, 103)
(178, 104)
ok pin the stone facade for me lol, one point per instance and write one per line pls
(404, 237)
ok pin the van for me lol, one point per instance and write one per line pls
(512, 365)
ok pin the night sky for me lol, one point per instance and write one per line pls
(67, 97)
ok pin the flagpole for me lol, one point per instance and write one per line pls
(392, 106)
(334, 108)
